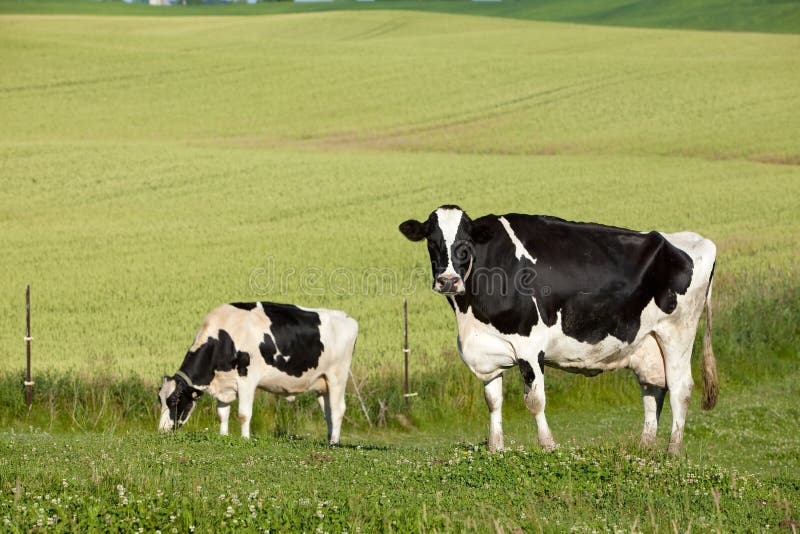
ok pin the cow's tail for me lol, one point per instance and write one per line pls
(710, 380)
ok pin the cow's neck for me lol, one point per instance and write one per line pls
(507, 309)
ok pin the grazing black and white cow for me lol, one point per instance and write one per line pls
(280, 348)
(532, 290)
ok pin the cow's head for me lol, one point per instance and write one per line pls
(178, 400)
(451, 237)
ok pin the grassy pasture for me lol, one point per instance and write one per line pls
(153, 168)
(779, 16)
(143, 187)
(205, 483)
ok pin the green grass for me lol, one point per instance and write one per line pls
(780, 16)
(206, 483)
(152, 168)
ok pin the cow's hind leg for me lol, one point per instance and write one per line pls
(648, 366)
(493, 394)
(335, 404)
(325, 403)
(533, 378)
(653, 401)
(680, 384)
(223, 413)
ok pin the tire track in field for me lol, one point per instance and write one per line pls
(151, 76)
(494, 111)
(376, 31)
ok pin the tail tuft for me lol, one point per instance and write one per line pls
(710, 379)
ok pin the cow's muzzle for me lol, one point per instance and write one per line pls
(166, 423)
(449, 285)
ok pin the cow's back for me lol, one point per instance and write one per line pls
(595, 279)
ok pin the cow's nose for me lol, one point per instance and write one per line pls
(447, 283)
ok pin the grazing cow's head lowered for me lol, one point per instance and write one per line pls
(178, 400)
(451, 237)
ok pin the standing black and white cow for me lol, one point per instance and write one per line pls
(280, 348)
(531, 290)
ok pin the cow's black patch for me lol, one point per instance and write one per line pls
(268, 348)
(596, 278)
(294, 345)
(500, 287)
(216, 354)
(242, 362)
(525, 369)
(247, 306)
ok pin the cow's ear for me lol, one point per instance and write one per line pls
(481, 232)
(414, 230)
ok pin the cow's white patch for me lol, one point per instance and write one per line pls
(449, 220)
(520, 250)
(166, 423)
(167, 388)
(224, 386)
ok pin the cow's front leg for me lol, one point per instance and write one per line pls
(533, 377)
(224, 413)
(246, 396)
(493, 393)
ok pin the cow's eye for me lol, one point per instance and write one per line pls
(461, 251)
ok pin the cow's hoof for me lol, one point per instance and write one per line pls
(674, 448)
(647, 442)
(495, 443)
(548, 445)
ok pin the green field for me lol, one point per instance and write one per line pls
(154, 167)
